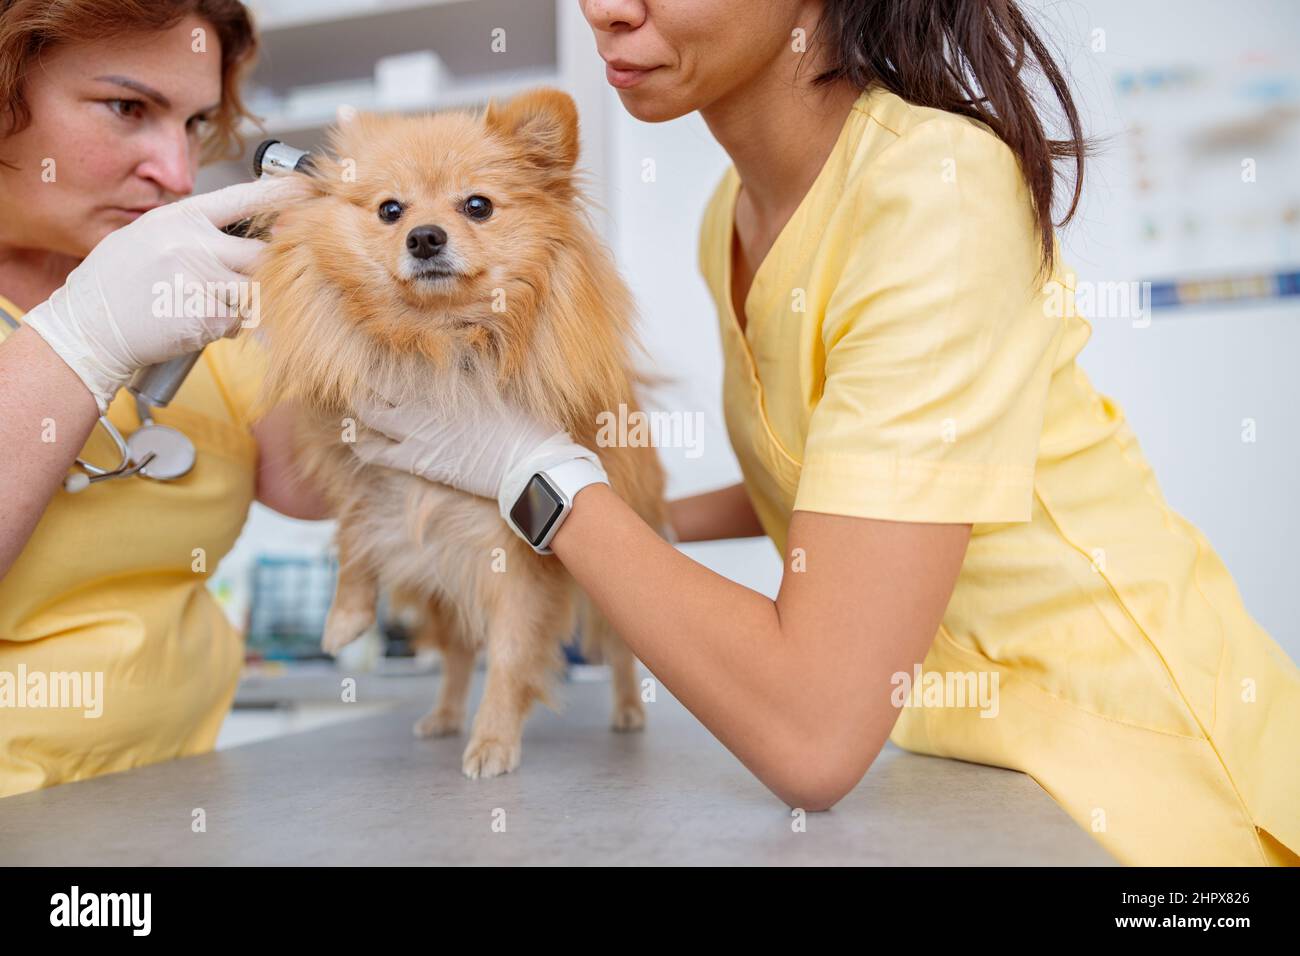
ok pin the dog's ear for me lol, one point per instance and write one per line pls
(336, 167)
(545, 124)
(297, 189)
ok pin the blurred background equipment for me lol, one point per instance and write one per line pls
(1190, 126)
(290, 599)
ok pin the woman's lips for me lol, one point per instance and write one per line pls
(624, 76)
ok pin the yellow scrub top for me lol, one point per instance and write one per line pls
(112, 582)
(903, 360)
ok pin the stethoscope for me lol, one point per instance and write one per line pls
(157, 451)
(154, 451)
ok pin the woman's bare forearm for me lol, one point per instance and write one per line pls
(800, 689)
(722, 649)
(46, 415)
(725, 513)
(720, 665)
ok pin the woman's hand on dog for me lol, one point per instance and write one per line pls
(486, 450)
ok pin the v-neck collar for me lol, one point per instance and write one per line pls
(783, 237)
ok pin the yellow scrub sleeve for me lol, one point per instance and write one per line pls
(112, 583)
(903, 360)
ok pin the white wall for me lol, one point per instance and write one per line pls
(655, 239)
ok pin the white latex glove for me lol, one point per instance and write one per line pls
(102, 321)
(486, 450)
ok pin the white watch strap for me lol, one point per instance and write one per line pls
(574, 475)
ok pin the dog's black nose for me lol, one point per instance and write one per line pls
(425, 242)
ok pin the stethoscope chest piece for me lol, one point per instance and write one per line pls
(153, 451)
(173, 453)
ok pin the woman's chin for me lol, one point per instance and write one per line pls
(649, 107)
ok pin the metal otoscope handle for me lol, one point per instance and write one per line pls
(158, 384)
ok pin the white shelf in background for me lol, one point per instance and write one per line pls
(271, 23)
(455, 95)
(473, 38)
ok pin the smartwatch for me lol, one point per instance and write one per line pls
(547, 500)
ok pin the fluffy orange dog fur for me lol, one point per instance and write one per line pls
(527, 306)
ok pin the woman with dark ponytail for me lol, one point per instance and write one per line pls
(979, 562)
(969, 58)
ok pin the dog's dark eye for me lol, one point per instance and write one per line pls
(478, 207)
(390, 210)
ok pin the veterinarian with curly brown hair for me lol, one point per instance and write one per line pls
(106, 109)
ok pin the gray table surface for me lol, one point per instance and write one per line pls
(366, 791)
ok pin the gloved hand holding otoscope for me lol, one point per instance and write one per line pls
(104, 322)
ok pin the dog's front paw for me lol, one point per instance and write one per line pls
(439, 723)
(342, 627)
(490, 758)
(628, 717)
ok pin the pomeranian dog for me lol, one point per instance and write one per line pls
(450, 257)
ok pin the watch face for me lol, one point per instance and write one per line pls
(536, 509)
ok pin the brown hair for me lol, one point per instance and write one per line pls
(29, 27)
(964, 56)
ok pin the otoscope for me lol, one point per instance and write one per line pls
(157, 384)
(159, 451)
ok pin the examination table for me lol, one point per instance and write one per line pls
(366, 791)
